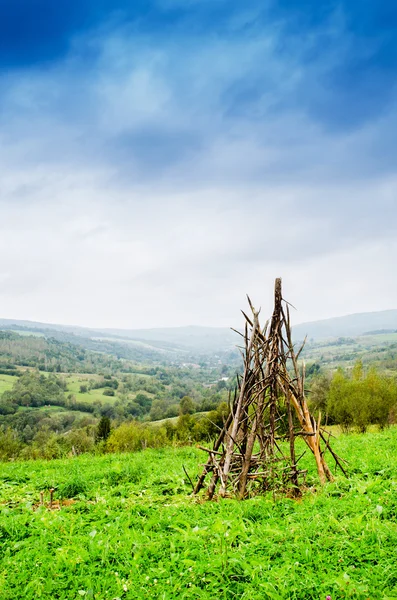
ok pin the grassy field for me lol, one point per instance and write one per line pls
(74, 381)
(6, 382)
(368, 348)
(73, 386)
(128, 529)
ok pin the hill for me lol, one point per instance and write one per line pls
(199, 339)
(187, 344)
(156, 343)
(67, 353)
(349, 325)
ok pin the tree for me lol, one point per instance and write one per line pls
(103, 430)
(319, 394)
(186, 406)
(339, 400)
(144, 401)
(361, 399)
(10, 445)
(158, 410)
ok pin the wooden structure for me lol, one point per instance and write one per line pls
(255, 450)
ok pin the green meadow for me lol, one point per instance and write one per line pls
(6, 382)
(127, 528)
(74, 381)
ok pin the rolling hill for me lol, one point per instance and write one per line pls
(384, 321)
(160, 343)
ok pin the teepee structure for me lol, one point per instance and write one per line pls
(255, 450)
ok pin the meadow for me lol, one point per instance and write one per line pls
(127, 528)
(74, 382)
(6, 382)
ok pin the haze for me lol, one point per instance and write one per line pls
(161, 159)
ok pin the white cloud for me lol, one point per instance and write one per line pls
(144, 192)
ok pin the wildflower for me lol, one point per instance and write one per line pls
(328, 598)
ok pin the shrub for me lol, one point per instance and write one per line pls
(361, 399)
(108, 392)
(133, 436)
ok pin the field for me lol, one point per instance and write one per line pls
(74, 381)
(96, 395)
(127, 529)
(371, 349)
(6, 382)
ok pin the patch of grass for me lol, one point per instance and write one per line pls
(133, 532)
(73, 386)
(6, 382)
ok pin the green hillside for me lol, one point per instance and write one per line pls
(160, 343)
(348, 325)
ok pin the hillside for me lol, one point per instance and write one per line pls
(168, 341)
(331, 342)
(60, 355)
(199, 339)
(137, 344)
(349, 325)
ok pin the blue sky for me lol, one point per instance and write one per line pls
(162, 158)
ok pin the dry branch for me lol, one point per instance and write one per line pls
(269, 405)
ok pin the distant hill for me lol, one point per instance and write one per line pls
(158, 343)
(348, 326)
(142, 345)
(192, 337)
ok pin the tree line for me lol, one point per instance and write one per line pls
(110, 436)
(356, 398)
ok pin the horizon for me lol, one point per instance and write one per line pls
(191, 325)
(160, 158)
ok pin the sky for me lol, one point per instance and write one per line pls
(160, 159)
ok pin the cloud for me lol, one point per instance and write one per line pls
(158, 163)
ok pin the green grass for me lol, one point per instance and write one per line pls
(378, 338)
(370, 349)
(6, 382)
(174, 420)
(133, 532)
(76, 380)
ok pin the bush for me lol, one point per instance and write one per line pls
(108, 392)
(133, 436)
(360, 399)
(10, 445)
